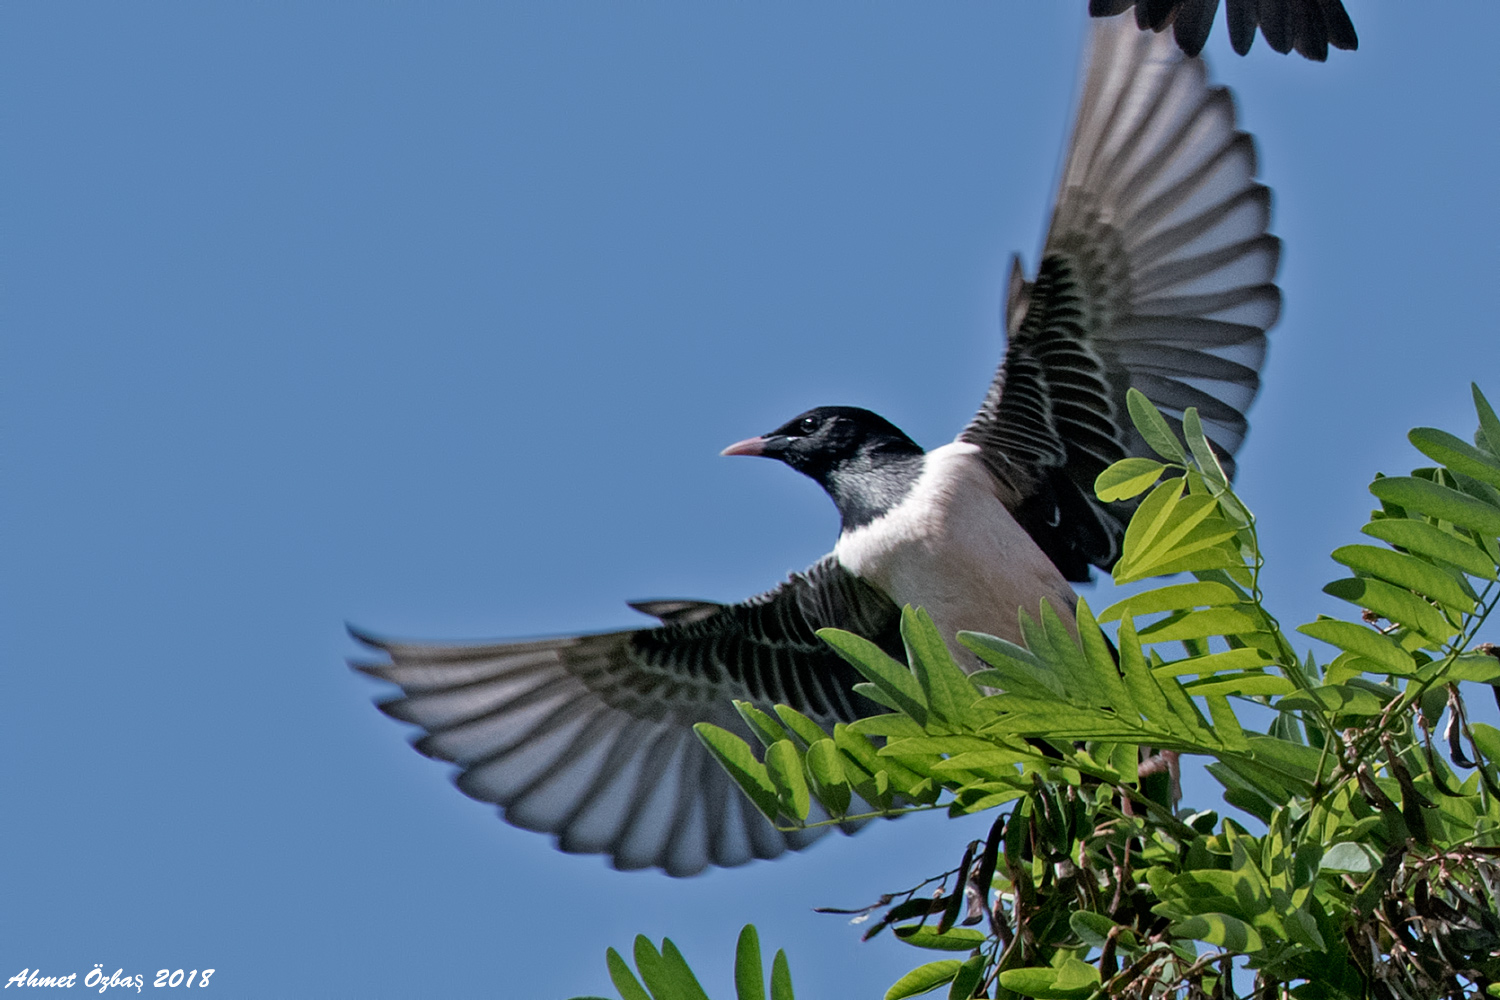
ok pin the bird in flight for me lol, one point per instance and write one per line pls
(1158, 273)
(1309, 26)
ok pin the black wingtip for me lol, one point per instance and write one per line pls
(364, 638)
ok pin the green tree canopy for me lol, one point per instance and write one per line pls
(1361, 857)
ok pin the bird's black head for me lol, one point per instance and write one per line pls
(862, 459)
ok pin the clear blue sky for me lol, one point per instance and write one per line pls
(434, 317)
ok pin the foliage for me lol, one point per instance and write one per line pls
(668, 977)
(1366, 859)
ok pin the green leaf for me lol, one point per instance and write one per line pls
(808, 731)
(1153, 427)
(1203, 453)
(826, 768)
(1016, 669)
(1151, 518)
(1226, 726)
(1407, 571)
(685, 984)
(1240, 661)
(1244, 685)
(1204, 624)
(924, 978)
(749, 976)
(946, 688)
(666, 974)
(1178, 597)
(619, 973)
(750, 774)
(1396, 604)
(1439, 501)
(785, 767)
(893, 679)
(764, 726)
(1303, 929)
(1103, 671)
(1127, 478)
(1348, 857)
(1362, 641)
(1075, 974)
(957, 939)
(1220, 929)
(1488, 434)
(1092, 928)
(1337, 699)
(1040, 983)
(1487, 739)
(1425, 538)
(1211, 545)
(781, 977)
(1456, 453)
(1481, 668)
(1145, 691)
(970, 974)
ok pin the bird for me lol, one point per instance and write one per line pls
(1158, 272)
(1309, 26)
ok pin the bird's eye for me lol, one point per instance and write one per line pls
(808, 424)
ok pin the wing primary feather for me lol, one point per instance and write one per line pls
(1158, 272)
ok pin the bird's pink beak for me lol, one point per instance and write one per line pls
(749, 446)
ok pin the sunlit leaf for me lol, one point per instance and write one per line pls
(1425, 538)
(1220, 929)
(1127, 478)
(1362, 641)
(970, 974)
(619, 973)
(946, 689)
(957, 939)
(1153, 427)
(1488, 435)
(1437, 501)
(749, 975)
(784, 765)
(1337, 699)
(1178, 597)
(826, 769)
(1203, 453)
(781, 977)
(764, 726)
(735, 756)
(1456, 453)
(1407, 571)
(1349, 857)
(924, 978)
(890, 676)
(1244, 685)
(1395, 604)
(1203, 625)
(1041, 983)
(1246, 658)
(1093, 928)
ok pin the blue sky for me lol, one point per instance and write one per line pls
(434, 318)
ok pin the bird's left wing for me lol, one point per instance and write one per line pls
(589, 737)
(1157, 273)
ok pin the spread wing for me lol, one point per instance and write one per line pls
(1157, 272)
(1309, 26)
(589, 737)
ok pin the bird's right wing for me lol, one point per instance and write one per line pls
(1157, 273)
(589, 737)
